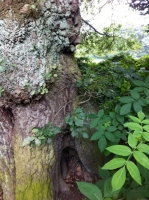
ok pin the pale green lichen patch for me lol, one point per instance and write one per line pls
(35, 45)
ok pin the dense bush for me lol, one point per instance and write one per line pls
(120, 86)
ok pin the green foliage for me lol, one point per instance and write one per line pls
(114, 39)
(76, 122)
(121, 129)
(42, 90)
(50, 77)
(42, 136)
(133, 152)
(89, 190)
(108, 80)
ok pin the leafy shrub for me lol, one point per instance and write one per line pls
(42, 135)
(122, 130)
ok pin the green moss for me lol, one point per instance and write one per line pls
(36, 190)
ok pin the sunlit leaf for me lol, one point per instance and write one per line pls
(146, 127)
(118, 179)
(133, 126)
(135, 119)
(141, 115)
(146, 121)
(119, 150)
(114, 163)
(146, 136)
(143, 148)
(141, 158)
(134, 171)
(132, 141)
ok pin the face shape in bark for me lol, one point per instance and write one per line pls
(32, 45)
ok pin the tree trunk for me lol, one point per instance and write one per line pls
(37, 85)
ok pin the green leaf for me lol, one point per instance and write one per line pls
(120, 118)
(137, 134)
(139, 83)
(141, 158)
(115, 122)
(141, 115)
(141, 102)
(67, 119)
(146, 127)
(120, 127)
(126, 99)
(117, 108)
(117, 134)
(108, 190)
(111, 128)
(94, 123)
(118, 179)
(132, 141)
(125, 109)
(79, 122)
(134, 94)
(97, 135)
(49, 140)
(92, 116)
(28, 140)
(135, 119)
(134, 171)
(110, 136)
(146, 121)
(146, 136)
(112, 114)
(2, 68)
(102, 143)
(100, 113)
(37, 142)
(114, 163)
(146, 80)
(143, 148)
(137, 107)
(133, 126)
(91, 191)
(104, 174)
(146, 91)
(119, 150)
(35, 130)
(85, 135)
(143, 171)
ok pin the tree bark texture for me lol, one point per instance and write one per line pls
(36, 40)
(37, 79)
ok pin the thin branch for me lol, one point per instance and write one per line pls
(104, 34)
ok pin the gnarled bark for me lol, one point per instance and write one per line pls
(37, 41)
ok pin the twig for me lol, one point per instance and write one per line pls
(104, 34)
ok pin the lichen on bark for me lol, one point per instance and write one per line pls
(34, 45)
